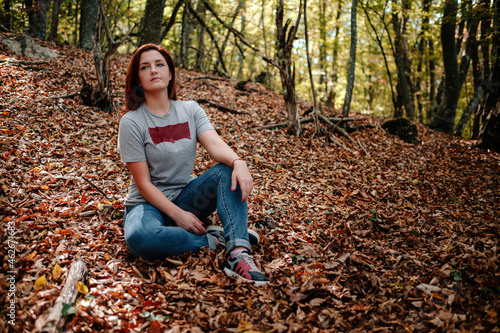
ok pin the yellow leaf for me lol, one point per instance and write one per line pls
(56, 272)
(40, 282)
(106, 256)
(81, 287)
(32, 255)
(44, 187)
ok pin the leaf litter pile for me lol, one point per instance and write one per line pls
(378, 236)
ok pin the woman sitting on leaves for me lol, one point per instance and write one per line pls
(165, 204)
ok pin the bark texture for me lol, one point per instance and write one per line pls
(444, 120)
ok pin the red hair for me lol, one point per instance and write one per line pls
(134, 93)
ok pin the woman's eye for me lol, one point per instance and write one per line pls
(144, 67)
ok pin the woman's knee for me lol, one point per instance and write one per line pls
(223, 171)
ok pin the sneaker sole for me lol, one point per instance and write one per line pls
(214, 228)
(230, 273)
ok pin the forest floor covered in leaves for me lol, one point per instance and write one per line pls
(378, 236)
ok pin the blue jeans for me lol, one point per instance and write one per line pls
(150, 234)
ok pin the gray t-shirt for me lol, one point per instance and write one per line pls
(167, 143)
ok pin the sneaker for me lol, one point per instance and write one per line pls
(253, 237)
(242, 266)
(218, 232)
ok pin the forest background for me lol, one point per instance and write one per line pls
(435, 62)
(360, 230)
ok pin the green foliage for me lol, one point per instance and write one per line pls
(329, 38)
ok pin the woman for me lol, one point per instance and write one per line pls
(165, 205)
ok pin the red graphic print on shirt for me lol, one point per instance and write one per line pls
(170, 133)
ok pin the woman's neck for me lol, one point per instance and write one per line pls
(158, 103)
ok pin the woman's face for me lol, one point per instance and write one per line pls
(154, 73)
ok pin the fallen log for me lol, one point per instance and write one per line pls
(218, 106)
(308, 120)
(209, 78)
(54, 322)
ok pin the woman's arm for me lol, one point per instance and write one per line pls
(221, 152)
(155, 197)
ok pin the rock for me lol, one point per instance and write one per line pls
(26, 47)
(402, 128)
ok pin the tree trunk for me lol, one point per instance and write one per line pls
(421, 50)
(471, 55)
(37, 18)
(201, 31)
(432, 79)
(490, 128)
(444, 120)
(151, 23)
(55, 20)
(88, 23)
(77, 6)
(7, 6)
(472, 25)
(242, 55)
(401, 55)
(285, 38)
(352, 61)
(330, 102)
(309, 65)
(101, 96)
(491, 132)
(185, 38)
(171, 21)
(486, 18)
(226, 39)
(378, 39)
(264, 36)
(323, 78)
(203, 24)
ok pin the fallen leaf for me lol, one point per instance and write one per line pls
(81, 287)
(56, 272)
(40, 283)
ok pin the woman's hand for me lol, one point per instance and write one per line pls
(221, 152)
(241, 175)
(189, 222)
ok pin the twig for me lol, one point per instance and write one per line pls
(359, 143)
(338, 143)
(210, 84)
(208, 78)
(281, 125)
(66, 96)
(335, 127)
(220, 107)
(95, 186)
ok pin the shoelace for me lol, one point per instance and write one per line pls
(249, 259)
